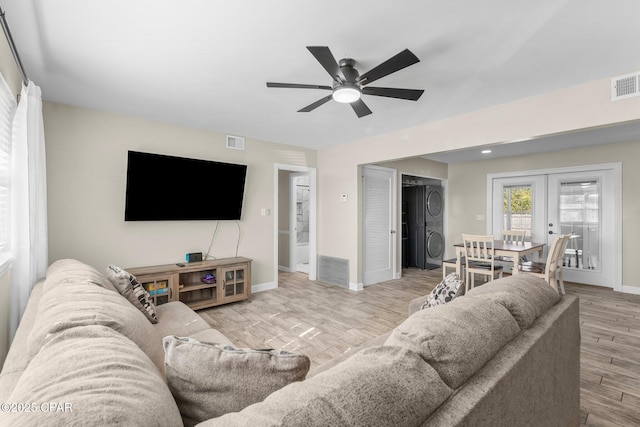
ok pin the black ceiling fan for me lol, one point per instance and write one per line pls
(348, 85)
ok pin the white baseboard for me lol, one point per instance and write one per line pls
(631, 290)
(356, 286)
(283, 268)
(398, 275)
(263, 287)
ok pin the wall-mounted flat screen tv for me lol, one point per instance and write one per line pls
(168, 188)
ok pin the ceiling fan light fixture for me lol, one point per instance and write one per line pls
(346, 94)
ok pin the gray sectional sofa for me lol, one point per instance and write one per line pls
(505, 354)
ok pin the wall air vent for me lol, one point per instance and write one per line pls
(333, 270)
(235, 142)
(626, 86)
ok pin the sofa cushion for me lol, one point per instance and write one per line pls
(444, 292)
(133, 291)
(524, 295)
(16, 360)
(209, 380)
(176, 318)
(211, 335)
(99, 378)
(83, 304)
(379, 386)
(65, 271)
(457, 338)
(379, 340)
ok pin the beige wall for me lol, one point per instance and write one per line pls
(468, 192)
(12, 76)
(86, 172)
(571, 109)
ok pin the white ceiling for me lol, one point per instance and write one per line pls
(204, 64)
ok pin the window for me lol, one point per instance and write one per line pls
(7, 111)
(518, 208)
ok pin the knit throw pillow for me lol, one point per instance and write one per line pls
(208, 380)
(131, 289)
(444, 291)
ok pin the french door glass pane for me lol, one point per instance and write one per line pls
(518, 208)
(579, 213)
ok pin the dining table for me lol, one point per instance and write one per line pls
(503, 248)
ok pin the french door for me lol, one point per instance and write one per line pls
(582, 202)
(378, 225)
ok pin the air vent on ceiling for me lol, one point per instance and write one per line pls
(626, 86)
(235, 142)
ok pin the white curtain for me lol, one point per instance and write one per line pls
(28, 201)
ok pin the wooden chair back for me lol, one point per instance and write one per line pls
(556, 256)
(514, 236)
(478, 248)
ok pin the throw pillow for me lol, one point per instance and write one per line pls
(444, 291)
(208, 380)
(131, 289)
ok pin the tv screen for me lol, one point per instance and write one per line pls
(167, 188)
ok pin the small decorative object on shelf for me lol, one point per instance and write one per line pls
(196, 283)
(209, 278)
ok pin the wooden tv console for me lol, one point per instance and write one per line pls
(172, 282)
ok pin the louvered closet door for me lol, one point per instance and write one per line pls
(378, 219)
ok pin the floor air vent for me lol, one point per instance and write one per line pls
(626, 86)
(333, 270)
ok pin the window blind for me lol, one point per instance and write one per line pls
(7, 111)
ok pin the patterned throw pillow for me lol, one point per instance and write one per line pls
(444, 291)
(131, 289)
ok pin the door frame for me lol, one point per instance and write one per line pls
(393, 221)
(615, 168)
(312, 219)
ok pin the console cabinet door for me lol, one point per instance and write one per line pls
(160, 287)
(236, 283)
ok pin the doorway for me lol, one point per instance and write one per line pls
(422, 222)
(584, 202)
(284, 204)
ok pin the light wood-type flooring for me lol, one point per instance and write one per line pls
(323, 321)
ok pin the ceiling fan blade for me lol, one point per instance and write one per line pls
(360, 108)
(396, 63)
(298, 86)
(390, 92)
(327, 60)
(316, 104)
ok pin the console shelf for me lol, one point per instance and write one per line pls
(186, 284)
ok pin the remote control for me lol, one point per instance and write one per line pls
(179, 264)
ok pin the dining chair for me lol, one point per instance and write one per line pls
(515, 237)
(452, 263)
(551, 270)
(479, 256)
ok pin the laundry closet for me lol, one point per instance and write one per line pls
(422, 222)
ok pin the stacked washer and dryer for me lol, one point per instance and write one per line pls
(423, 213)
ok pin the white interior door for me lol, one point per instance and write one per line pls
(582, 204)
(378, 224)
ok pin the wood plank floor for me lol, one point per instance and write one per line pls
(323, 321)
